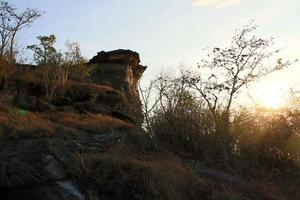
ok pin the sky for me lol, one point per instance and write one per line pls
(168, 34)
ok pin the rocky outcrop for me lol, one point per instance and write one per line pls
(121, 70)
(112, 85)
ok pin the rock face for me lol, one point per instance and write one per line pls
(112, 85)
(121, 70)
(36, 169)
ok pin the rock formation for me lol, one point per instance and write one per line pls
(112, 88)
(120, 69)
(39, 139)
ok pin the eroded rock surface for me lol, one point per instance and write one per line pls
(37, 168)
(112, 84)
(120, 69)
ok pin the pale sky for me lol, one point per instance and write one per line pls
(167, 33)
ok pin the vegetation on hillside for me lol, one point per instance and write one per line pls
(194, 114)
(194, 143)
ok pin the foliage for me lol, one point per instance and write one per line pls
(264, 143)
(226, 71)
(75, 62)
(45, 52)
(266, 136)
(194, 115)
(58, 68)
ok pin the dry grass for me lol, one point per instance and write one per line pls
(18, 123)
(33, 77)
(117, 176)
(92, 123)
(24, 124)
(32, 125)
(33, 83)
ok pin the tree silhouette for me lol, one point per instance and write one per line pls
(11, 22)
(227, 70)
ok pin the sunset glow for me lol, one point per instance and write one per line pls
(269, 96)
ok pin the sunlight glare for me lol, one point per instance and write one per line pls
(269, 96)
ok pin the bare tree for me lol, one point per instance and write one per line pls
(148, 104)
(173, 95)
(226, 71)
(11, 22)
(74, 63)
(4, 30)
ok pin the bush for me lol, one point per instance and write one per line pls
(112, 176)
(265, 138)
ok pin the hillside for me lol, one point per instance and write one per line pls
(89, 144)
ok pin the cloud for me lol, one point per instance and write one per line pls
(216, 3)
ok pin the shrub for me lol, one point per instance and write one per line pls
(265, 136)
(183, 122)
(112, 176)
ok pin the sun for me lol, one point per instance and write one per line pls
(269, 96)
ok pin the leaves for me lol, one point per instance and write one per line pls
(45, 52)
